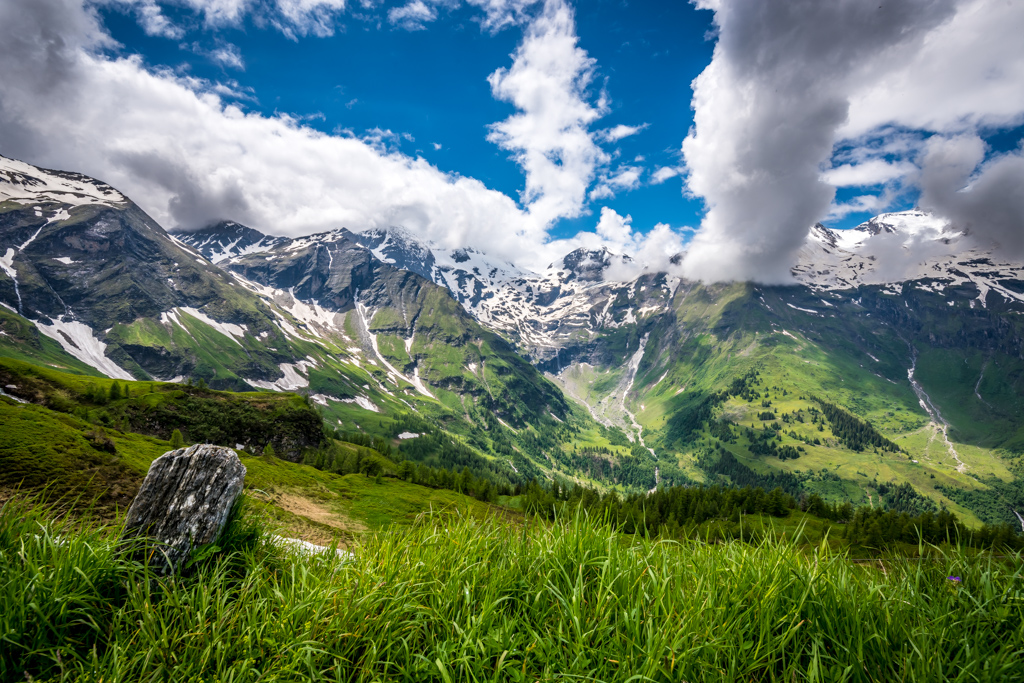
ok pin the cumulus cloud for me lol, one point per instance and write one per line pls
(189, 159)
(189, 156)
(984, 197)
(888, 97)
(767, 113)
(872, 172)
(650, 251)
(965, 73)
(624, 178)
(616, 133)
(549, 138)
(664, 173)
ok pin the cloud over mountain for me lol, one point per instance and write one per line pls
(791, 79)
(190, 158)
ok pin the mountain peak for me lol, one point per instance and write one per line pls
(227, 239)
(27, 184)
(910, 223)
(589, 264)
(400, 248)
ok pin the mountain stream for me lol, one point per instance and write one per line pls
(634, 364)
(938, 421)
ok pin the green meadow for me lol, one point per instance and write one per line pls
(457, 598)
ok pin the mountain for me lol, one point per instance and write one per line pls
(228, 239)
(909, 246)
(96, 274)
(92, 284)
(890, 373)
(867, 328)
(420, 334)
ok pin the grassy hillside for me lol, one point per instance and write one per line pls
(74, 441)
(461, 599)
(744, 370)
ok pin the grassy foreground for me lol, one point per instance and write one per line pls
(458, 599)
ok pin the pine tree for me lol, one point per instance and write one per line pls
(268, 451)
(177, 441)
(115, 392)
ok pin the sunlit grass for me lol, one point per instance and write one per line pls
(459, 599)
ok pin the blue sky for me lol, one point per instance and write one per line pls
(431, 85)
(529, 128)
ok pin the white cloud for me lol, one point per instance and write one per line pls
(867, 203)
(964, 73)
(227, 55)
(305, 17)
(292, 17)
(224, 54)
(613, 227)
(984, 197)
(873, 172)
(619, 132)
(650, 252)
(152, 19)
(220, 12)
(412, 16)
(549, 137)
(624, 178)
(189, 159)
(499, 14)
(768, 111)
(664, 173)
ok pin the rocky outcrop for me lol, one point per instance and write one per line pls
(184, 502)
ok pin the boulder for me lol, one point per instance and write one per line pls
(184, 502)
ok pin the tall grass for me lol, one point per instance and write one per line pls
(461, 600)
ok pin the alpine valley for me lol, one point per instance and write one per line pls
(862, 382)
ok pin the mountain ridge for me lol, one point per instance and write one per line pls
(567, 374)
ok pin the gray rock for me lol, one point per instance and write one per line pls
(184, 501)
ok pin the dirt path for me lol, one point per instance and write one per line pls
(314, 521)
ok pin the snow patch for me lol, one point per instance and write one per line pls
(27, 184)
(363, 403)
(78, 339)
(291, 381)
(230, 330)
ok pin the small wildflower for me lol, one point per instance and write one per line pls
(954, 579)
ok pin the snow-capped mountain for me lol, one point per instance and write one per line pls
(549, 315)
(26, 184)
(908, 322)
(97, 275)
(909, 246)
(228, 239)
(559, 316)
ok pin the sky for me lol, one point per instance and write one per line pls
(527, 128)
